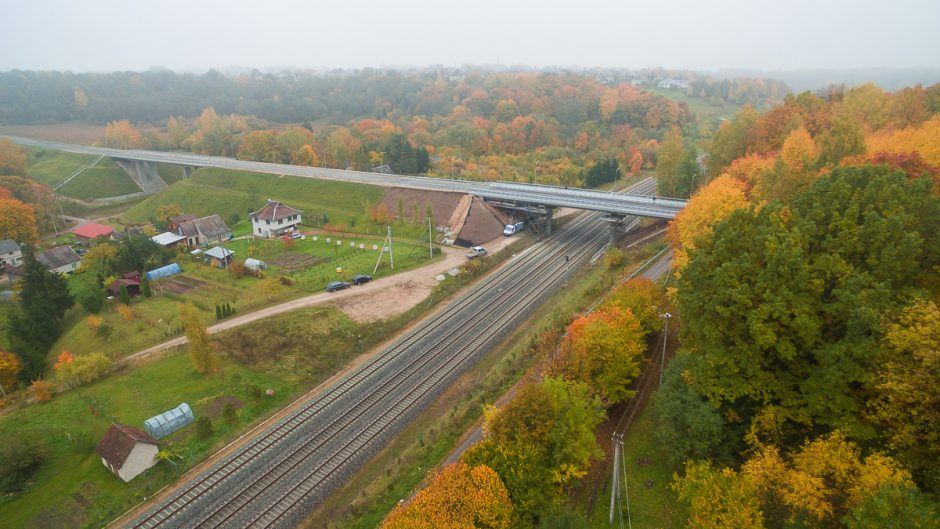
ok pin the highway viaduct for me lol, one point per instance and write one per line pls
(140, 165)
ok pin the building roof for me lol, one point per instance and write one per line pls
(176, 221)
(9, 246)
(219, 253)
(92, 230)
(167, 238)
(274, 210)
(118, 442)
(58, 256)
(211, 226)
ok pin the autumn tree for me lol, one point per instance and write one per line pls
(644, 298)
(101, 258)
(200, 350)
(782, 305)
(10, 367)
(604, 350)
(718, 498)
(166, 212)
(122, 135)
(12, 158)
(540, 442)
(457, 497)
(668, 160)
(908, 400)
(38, 196)
(713, 203)
(17, 221)
(732, 140)
(82, 369)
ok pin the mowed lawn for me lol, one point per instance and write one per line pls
(104, 179)
(73, 489)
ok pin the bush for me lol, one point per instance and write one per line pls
(83, 369)
(41, 390)
(237, 269)
(21, 455)
(203, 427)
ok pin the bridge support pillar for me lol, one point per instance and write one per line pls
(188, 171)
(549, 220)
(618, 225)
(144, 174)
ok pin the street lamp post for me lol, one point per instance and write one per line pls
(662, 366)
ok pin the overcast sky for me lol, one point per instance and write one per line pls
(104, 35)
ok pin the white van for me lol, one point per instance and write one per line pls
(512, 229)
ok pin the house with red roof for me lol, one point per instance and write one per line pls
(127, 451)
(274, 219)
(91, 231)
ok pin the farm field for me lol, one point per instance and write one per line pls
(308, 264)
(698, 106)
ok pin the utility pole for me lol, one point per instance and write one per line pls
(430, 240)
(567, 259)
(662, 366)
(615, 478)
(391, 256)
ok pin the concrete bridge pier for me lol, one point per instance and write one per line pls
(188, 171)
(618, 225)
(143, 173)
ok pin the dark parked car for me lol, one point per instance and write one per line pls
(361, 279)
(333, 286)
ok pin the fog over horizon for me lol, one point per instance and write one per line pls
(107, 35)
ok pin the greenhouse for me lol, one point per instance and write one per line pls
(160, 426)
(164, 271)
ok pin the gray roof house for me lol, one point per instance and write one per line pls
(10, 253)
(204, 231)
(61, 259)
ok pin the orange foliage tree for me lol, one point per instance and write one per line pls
(709, 206)
(17, 221)
(122, 135)
(642, 297)
(458, 497)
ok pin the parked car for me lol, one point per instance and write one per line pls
(296, 235)
(512, 229)
(361, 279)
(333, 286)
(476, 251)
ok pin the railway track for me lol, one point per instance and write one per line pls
(275, 478)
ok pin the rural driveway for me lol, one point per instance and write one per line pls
(423, 275)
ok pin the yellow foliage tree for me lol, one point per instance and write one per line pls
(12, 158)
(200, 350)
(924, 139)
(710, 205)
(458, 497)
(799, 151)
(41, 390)
(126, 312)
(10, 367)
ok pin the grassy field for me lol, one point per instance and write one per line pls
(73, 488)
(239, 192)
(105, 179)
(652, 502)
(698, 106)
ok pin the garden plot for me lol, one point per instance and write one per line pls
(180, 284)
(292, 262)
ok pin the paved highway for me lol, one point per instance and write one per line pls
(614, 203)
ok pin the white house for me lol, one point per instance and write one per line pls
(127, 451)
(10, 253)
(274, 219)
(61, 259)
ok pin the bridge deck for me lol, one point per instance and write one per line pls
(603, 201)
